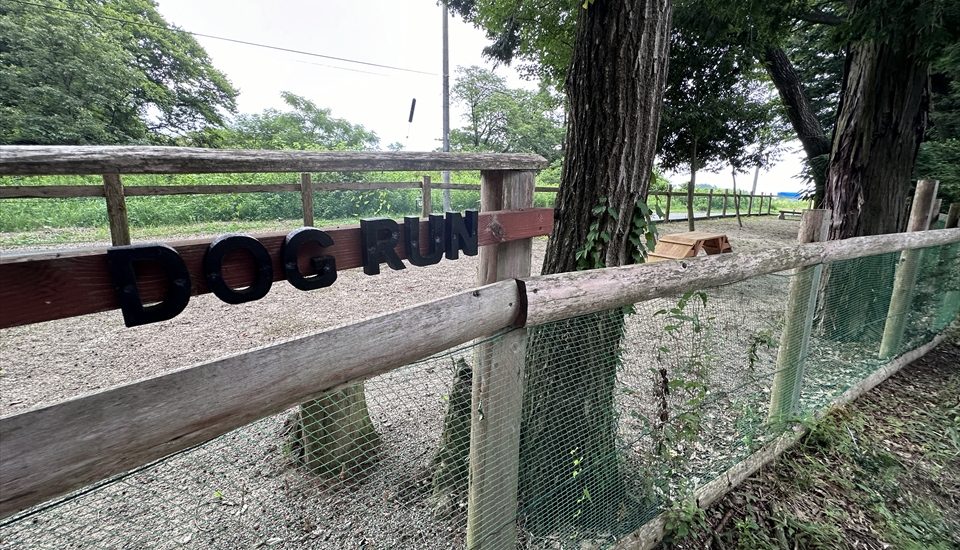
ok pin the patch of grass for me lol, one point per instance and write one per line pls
(884, 471)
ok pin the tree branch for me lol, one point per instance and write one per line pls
(821, 17)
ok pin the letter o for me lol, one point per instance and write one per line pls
(213, 268)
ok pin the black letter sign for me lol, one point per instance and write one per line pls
(411, 225)
(120, 260)
(378, 239)
(213, 268)
(325, 266)
(460, 235)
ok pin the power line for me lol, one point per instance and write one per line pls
(225, 39)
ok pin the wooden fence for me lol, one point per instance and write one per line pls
(54, 449)
(111, 162)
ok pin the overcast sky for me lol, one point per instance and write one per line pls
(401, 33)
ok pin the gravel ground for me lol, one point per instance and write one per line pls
(241, 491)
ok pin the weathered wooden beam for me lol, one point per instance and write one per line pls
(497, 391)
(306, 198)
(564, 295)
(49, 191)
(426, 197)
(36, 160)
(53, 285)
(905, 279)
(116, 210)
(71, 191)
(52, 450)
(798, 323)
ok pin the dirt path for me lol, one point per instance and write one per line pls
(881, 473)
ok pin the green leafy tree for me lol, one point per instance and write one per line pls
(76, 76)
(939, 156)
(715, 107)
(503, 119)
(303, 126)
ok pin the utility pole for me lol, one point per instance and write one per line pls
(446, 108)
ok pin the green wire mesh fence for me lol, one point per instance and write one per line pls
(625, 413)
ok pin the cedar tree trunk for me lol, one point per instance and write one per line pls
(881, 121)
(615, 87)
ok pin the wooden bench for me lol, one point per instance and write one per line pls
(784, 213)
(688, 245)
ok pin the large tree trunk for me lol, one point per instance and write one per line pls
(882, 118)
(881, 121)
(804, 120)
(615, 88)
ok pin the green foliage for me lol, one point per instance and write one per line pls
(940, 160)
(716, 109)
(642, 237)
(71, 78)
(539, 34)
(303, 126)
(502, 119)
(680, 389)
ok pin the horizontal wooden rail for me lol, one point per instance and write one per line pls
(78, 282)
(565, 295)
(70, 191)
(52, 450)
(31, 160)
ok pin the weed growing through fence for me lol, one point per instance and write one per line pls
(680, 387)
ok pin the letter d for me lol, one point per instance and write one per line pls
(121, 259)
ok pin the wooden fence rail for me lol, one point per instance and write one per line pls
(54, 449)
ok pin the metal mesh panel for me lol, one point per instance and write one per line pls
(622, 414)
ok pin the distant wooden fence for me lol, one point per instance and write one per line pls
(77, 161)
(728, 207)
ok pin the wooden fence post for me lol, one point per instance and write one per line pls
(709, 203)
(750, 205)
(801, 308)
(669, 194)
(116, 210)
(769, 204)
(306, 197)
(425, 197)
(934, 213)
(906, 277)
(951, 296)
(724, 213)
(953, 215)
(497, 397)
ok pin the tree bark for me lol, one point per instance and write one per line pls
(805, 123)
(880, 124)
(615, 87)
(451, 461)
(333, 436)
(691, 186)
(881, 121)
